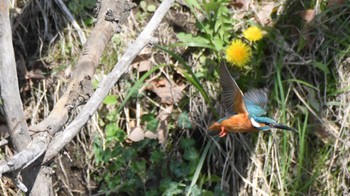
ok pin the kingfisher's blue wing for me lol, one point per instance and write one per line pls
(231, 93)
(256, 102)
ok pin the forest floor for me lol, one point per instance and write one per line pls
(150, 135)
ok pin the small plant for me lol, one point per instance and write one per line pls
(215, 30)
(143, 167)
(82, 8)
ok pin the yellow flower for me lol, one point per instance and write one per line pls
(238, 53)
(253, 34)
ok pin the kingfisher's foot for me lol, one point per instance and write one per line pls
(223, 132)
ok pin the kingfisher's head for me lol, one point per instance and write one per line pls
(265, 123)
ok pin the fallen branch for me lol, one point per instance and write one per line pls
(83, 74)
(112, 14)
(32, 152)
(78, 91)
(63, 138)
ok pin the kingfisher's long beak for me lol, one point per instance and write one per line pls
(280, 126)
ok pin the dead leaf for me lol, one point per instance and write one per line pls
(35, 74)
(163, 128)
(264, 12)
(132, 123)
(151, 135)
(164, 114)
(308, 15)
(143, 62)
(145, 66)
(240, 4)
(169, 93)
(158, 83)
(137, 134)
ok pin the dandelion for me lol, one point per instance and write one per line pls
(238, 53)
(253, 34)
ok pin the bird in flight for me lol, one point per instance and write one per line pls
(245, 112)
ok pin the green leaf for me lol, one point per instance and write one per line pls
(112, 116)
(191, 154)
(152, 125)
(165, 184)
(89, 21)
(193, 4)
(199, 167)
(186, 143)
(151, 8)
(184, 121)
(207, 193)
(338, 91)
(110, 100)
(138, 167)
(195, 45)
(322, 67)
(98, 156)
(218, 43)
(188, 40)
(120, 135)
(147, 117)
(111, 130)
(195, 190)
(211, 7)
(302, 43)
(218, 191)
(151, 121)
(156, 156)
(174, 189)
(143, 5)
(217, 25)
(303, 83)
(129, 154)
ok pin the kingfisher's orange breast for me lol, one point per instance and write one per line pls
(236, 123)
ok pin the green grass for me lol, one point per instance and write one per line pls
(277, 162)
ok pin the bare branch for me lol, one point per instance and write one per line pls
(9, 91)
(63, 138)
(24, 158)
(85, 68)
(78, 91)
(112, 14)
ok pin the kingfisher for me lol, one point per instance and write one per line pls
(246, 113)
